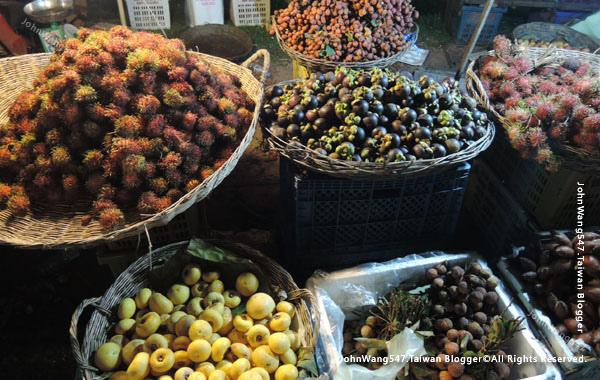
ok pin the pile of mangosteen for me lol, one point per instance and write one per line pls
(373, 116)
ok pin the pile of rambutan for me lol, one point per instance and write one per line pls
(125, 120)
(558, 103)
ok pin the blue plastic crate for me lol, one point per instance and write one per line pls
(330, 221)
(564, 17)
(469, 18)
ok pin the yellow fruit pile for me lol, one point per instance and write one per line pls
(545, 44)
(191, 334)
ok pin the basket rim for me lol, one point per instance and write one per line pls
(555, 27)
(309, 159)
(572, 157)
(183, 203)
(316, 63)
(275, 273)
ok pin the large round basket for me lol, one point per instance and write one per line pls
(140, 275)
(315, 64)
(56, 226)
(573, 157)
(544, 31)
(307, 158)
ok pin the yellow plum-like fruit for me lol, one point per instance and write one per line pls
(261, 372)
(124, 326)
(289, 357)
(219, 348)
(216, 286)
(162, 360)
(214, 318)
(194, 306)
(119, 339)
(181, 359)
(260, 306)
(200, 329)
(191, 274)
(200, 289)
(213, 297)
(131, 349)
(181, 343)
(119, 375)
(286, 372)
(197, 376)
(178, 294)
(217, 374)
(236, 336)
(126, 309)
(140, 314)
(182, 327)
(227, 322)
(232, 299)
(148, 325)
(258, 335)
(246, 284)
(279, 343)
(165, 377)
(243, 322)
(218, 306)
(238, 367)
(265, 358)
(183, 373)
(240, 351)
(108, 356)
(199, 350)
(206, 368)
(211, 276)
(154, 342)
(280, 322)
(286, 307)
(139, 368)
(213, 338)
(142, 297)
(175, 317)
(160, 304)
(250, 375)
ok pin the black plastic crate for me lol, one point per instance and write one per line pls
(329, 221)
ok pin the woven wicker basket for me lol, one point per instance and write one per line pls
(544, 31)
(309, 159)
(323, 65)
(137, 276)
(573, 158)
(59, 225)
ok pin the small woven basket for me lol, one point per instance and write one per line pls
(315, 64)
(59, 225)
(137, 277)
(544, 31)
(311, 160)
(573, 158)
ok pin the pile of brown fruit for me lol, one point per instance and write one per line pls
(545, 44)
(346, 31)
(458, 317)
(549, 269)
(120, 119)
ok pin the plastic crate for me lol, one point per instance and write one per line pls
(329, 222)
(250, 12)
(497, 217)
(469, 18)
(149, 14)
(551, 198)
(564, 17)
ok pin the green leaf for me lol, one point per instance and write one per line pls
(307, 363)
(422, 371)
(469, 354)
(463, 343)
(329, 51)
(309, 36)
(372, 343)
(201, 249)
(239, 310)
(419, 290)
(374, 23)
(425, 334)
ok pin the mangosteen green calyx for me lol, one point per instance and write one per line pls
(383, 116)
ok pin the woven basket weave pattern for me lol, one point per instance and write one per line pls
(574, 158)
(58, 225)
(136, 277)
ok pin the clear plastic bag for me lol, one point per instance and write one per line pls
(340, 294)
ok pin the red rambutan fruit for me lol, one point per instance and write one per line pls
(592, 123)
(172, 136)
(5, 192)
(232, 120)
(147, 104)
(191, 185)
(60, 156)
(206, 123)
(506, 90)
(86, 64)
(206, 172)
(547, 88)
(197, 78)
(125, 146)
(536, 136)
(134, 163)
(95, 112)
(143, 60)
(107, 192)
(558, 131)
(42, 180)
(131, 180)
(70, 183)
(583, 87)
(172, 99)
(171, 161)
(174, 194)
(561, 114)
(18, 204)
(162, 204)
(569, 101)
(159, 185)
(178, 74)
(523, 65)
(128, 126)
(544, 111)
(173, 177)
(511, 73)
(146, 203)
(583, 69)
(501, 46)
(72, 77)
(206, 138)
(246, 115)
(581, 112)
(121, 97)
(545, 71)
(225, 106)
(222, 130)
(111, 219)
(114, 112)
(94, 183)
(72, 114)
(155, 126)
(517, 115)
(543, 155)
(189, 121)
(218, 164)
(111, 81)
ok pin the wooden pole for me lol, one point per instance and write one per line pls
(122, 13)
(484, 15)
